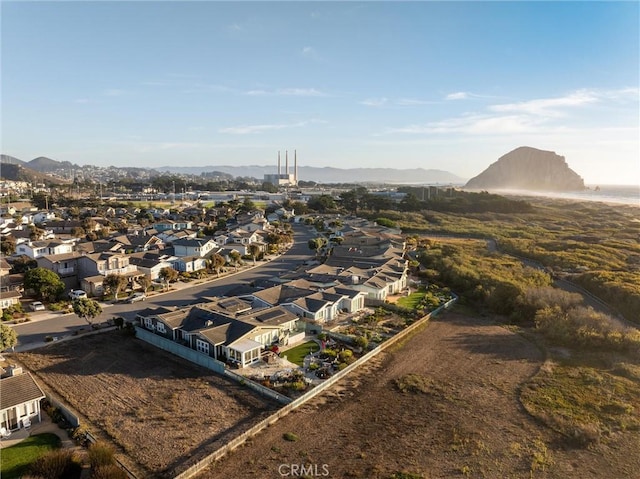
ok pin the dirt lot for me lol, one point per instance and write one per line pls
(459, 416)
(162, 412)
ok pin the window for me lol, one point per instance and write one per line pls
(148, 322)
(160, 328)
(202, 346)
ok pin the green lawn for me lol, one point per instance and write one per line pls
(412, 301)
(296, 355)
(16, 459)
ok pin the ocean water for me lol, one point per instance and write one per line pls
(620, 194)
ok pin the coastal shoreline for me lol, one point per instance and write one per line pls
(613, 195)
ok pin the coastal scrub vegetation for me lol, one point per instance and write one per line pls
(589, 388)
(594, 245)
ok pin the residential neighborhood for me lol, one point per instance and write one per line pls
(83, 252)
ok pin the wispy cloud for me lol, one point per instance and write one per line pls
(288, 92)
(249, 129)
(235, 27)
(82, 100)
(459, 95)
(310, 53)
(466, 95)
(549, 106)
(375, 102)
(414, 102)
(474, 125)
(114, 92)
(541, 115)
(382, 101)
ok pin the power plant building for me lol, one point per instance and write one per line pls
(285, 178)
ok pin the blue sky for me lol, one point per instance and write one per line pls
(446, 85)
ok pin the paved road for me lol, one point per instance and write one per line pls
(57, 325)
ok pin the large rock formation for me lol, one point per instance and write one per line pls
(527, 168)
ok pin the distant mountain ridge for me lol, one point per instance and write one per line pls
(331, 174)
(17, 172)
(527, 168)
(47, 165)
(41, 164)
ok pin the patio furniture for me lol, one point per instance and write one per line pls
(26, 423)
(4, 433)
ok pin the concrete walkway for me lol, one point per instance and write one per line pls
(38, 428)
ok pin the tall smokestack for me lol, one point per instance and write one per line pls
(295, 166)
(278, 163)
(286, 162)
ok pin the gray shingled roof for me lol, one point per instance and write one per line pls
(18, 389)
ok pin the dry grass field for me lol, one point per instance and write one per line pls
(446, 404)
(161, 412)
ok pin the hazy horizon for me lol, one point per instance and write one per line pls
(434, 85)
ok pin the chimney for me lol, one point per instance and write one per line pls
(278, 163)
(14, 370)
(286, 163)
(295, 166)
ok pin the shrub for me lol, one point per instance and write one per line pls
(297, 386)
(361, 342)
(58, 464)
(110, 471)
(413, 383)
(346, 356)
(59, 306)
(289, 436)
(100, 454)
(330, 353)
(79, 434)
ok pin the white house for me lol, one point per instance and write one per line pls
(43, 216)
(20, 398)
(194, 247)
(37, 249)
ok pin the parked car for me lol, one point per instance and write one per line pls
(77, 294)
(135, 297)
(37, 306)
